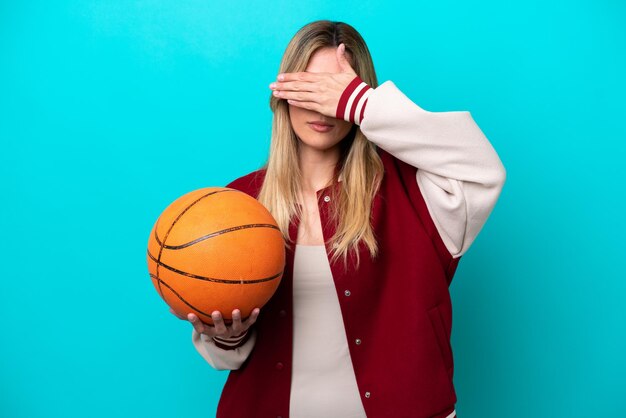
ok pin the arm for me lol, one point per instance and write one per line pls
(458, 171)
(224, 353)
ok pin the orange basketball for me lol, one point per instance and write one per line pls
(216, 249)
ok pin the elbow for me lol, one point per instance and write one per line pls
(493, 180)
(496, 182)
(495, 176)
(500, 175)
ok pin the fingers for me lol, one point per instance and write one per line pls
(319, 92)
(252, 318)
(304, 99)
(307, 105)
(295, 86)
(237, 326)
(218, 322)
(300, 76)
(301, 96)
(219, 328)
(198, 325)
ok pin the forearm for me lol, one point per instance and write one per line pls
(449, 144)
(459, 173)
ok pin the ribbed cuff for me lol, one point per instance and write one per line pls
(233, 342)
(353, 100)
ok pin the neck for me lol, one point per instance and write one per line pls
(317, 167)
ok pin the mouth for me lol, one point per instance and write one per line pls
(320, 126)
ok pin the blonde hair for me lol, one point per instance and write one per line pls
(359, 166)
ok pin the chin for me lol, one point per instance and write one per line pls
(320, 144)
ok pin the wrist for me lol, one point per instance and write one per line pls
(353, 100)
(231, 343)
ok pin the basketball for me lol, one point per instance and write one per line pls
(216, 248)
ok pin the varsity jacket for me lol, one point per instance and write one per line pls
(442, 178)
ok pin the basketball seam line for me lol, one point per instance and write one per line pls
(213, 279)
(211, 235)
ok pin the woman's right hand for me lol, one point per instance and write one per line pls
(220, 329)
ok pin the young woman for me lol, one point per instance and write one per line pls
(377, 199)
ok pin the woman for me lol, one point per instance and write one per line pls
(377, 199)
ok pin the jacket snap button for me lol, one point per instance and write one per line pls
(326, 199)
(358, 341)
(347, 293)
(279, 366)
(367, 394)
(282, 313)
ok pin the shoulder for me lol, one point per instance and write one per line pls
(250, 183)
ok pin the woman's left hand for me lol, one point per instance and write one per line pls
(316, 91)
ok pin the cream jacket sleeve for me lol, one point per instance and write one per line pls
(219, 358)
(458, 171)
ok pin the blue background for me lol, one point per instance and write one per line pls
(110, 110)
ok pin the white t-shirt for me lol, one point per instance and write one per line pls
(323, 382)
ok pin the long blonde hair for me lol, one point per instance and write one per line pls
(359, 166)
